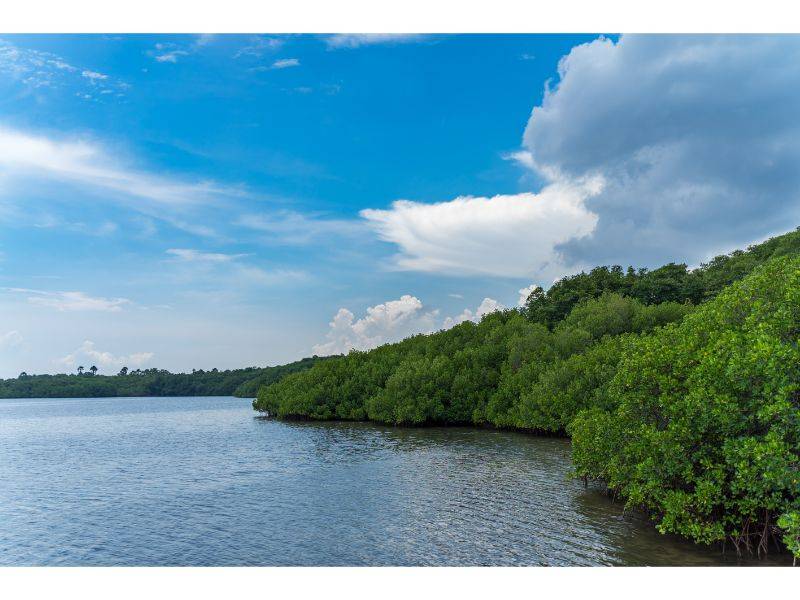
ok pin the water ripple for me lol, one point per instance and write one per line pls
(200, 481)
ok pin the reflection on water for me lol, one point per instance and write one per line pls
(202, 481)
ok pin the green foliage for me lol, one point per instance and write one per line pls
(670, 283)
(150, 382)
(690, 413)
(705, 433)
(505, 371)
(789, 522)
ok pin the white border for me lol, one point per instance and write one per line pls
(396, 583)
(399, 16)
(394, 16)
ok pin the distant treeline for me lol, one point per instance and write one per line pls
(680, 388)
(151, 382)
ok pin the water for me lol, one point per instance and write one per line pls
(204, 481)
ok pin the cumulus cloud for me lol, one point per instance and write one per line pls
(387, 322)
(71, 301)
(524, 293)
(695, 137)
(392, 321)
(652, 148)
(87, 353)
(488, 305)
(511, 236)
(355, 40)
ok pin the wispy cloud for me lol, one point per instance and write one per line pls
(289, 227)
(286, 63)
(169, 52)
(93, 75)
(220, 266)
(44, 70)
(277, 65)
(522, 158)
(189, 255)
(71, 301)
(355, 40)
(10, 340)
(24, 155)
(259, 46)
(46, 220)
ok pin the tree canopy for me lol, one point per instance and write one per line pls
(149, 382)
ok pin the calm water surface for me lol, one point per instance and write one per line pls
(203, 481)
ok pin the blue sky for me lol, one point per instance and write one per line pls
(199, 201)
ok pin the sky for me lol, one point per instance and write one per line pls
(225, 201)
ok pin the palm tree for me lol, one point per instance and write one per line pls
(80, 370)
(123, 371)
(93, 369)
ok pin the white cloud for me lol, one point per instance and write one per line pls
(258, 46)
(204, 39)
(190, 255)
(44, 70)
(488, 305)
(226, 267)
(170, 57)
(168, 53)
(696, 137)
(86, 353)
(393, 321)
(387, 322)
(524, 293)
(355, 40)
(71, 301)
(652, 149)
(521, 157)
(285, 63)
(93, 75)
(28, 156)
(510, 236)
(10, 340)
